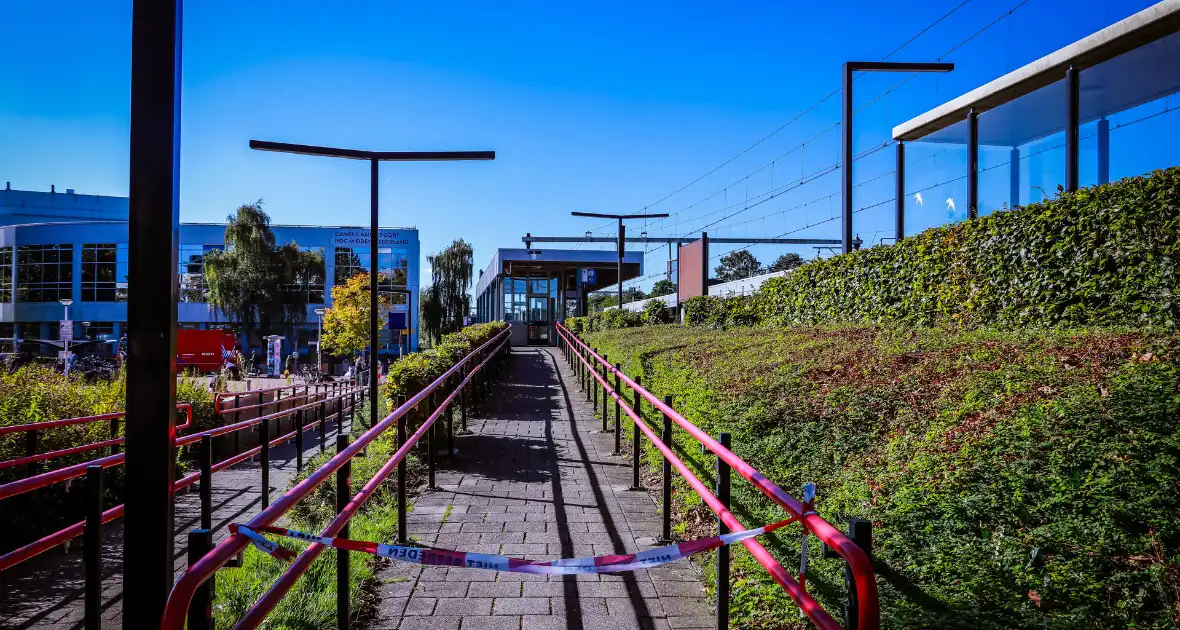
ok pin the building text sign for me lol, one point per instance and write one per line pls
(360, 238)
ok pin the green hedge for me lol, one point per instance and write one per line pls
(1016, 479)
(1103, 256)
(409, 375)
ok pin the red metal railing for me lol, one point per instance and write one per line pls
(74, 450)
(328, 388)
(43, 480)
(200, 571)
(858, 561)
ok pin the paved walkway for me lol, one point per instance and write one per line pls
(48, 591)
(536, 480)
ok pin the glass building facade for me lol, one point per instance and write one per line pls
(56, 246)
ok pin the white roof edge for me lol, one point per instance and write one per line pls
(1107, 43)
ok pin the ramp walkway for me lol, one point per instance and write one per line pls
(535, 479)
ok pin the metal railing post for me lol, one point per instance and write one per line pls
(636, 437)
(618, 411)
(206, 481)
(593, 382)
(265, 434)
(92, 547)
(430, 442)
(323, 434)
(114, 434)
(31, 440)
(200, 609)
(340, 412)
(403, 533)
(666, 489)
(299, 441)
(860, 532)
(723, 480)
(237, 417)
(605, 393)
(451, 422)
(343, 495)
(463, 397)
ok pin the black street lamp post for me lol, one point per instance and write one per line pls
(374, 158)
(622, 241)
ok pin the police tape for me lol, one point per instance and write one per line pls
(445, 557)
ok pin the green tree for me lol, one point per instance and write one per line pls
(346, 324)
(737, 265)
(663, 287)
(431, 314)
(256, 282)
(450, 273)
(786, 262)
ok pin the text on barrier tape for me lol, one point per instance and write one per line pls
(444, 557)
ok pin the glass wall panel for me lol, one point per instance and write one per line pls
(45, 273)
(936, 179)
(104, 272)
(5, 275)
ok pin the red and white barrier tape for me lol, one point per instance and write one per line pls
(444, 557)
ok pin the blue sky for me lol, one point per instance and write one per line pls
(604, 107)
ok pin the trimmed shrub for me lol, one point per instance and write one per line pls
(656, 312)
(411, 373)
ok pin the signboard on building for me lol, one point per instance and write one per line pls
(274, 356)
(361, 238)
(66, 330)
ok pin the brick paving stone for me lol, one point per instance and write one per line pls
(536, 479)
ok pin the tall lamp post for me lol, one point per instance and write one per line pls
(65, 338)
(319, 339)
(374, 158)
(622, 241)
(846, 131)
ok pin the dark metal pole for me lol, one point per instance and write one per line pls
(343, 495)
(899, 187)
(463, 398)
(860, 532)
(972, 164)
(154, 233)
(846, 162)
(636, 438)
(200, 609)
(299, 441)
(374, 289)
(264, 435)
(451, 423)
(618, 411)
(593, 382)
(92, 547)
(403, 533)
(666, 489)
(430, 445)
(723, 477)
(605, 393)
(622, 247)
(1072, 96)
(206, 481)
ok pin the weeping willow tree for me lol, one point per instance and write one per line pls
(446, 302)
(256, 282)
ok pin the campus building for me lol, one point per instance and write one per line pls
(533, 289)
(63, 245)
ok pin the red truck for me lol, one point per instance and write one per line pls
(203, 350)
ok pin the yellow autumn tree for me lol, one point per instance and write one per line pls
(346, 324)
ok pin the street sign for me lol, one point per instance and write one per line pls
(589, 276)
(397, 321)
(66, 330)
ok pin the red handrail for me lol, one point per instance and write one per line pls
(858, 561)
(74, 450)
(220, 396)
(50, 541)
(200, 571)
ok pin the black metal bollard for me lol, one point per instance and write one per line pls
(343, 494)
(206, 481)
(92, 547)
(618, 411)
(666, 490)
(299, 441)
(723, 476)
(403, 534)
(200, 608)
(636, 436)
(264, 434)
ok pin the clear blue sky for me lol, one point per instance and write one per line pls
(599, 107)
